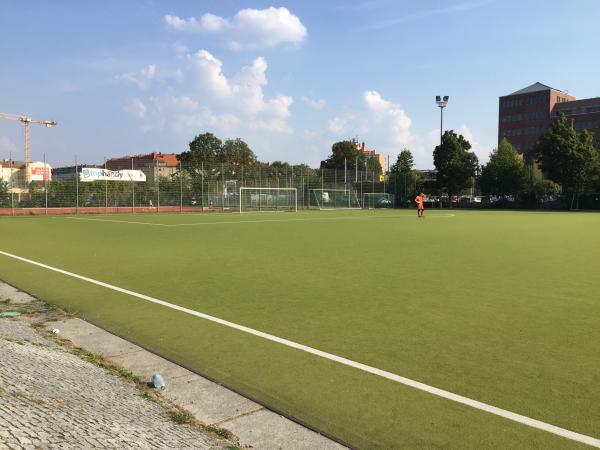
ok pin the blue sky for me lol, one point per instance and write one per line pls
(290, 78)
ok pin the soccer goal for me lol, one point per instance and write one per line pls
(378, 200)
(268, 199)
(333, 199)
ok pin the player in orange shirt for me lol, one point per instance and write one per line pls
(420, 208)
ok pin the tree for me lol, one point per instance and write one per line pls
(455, 165)
(346, 152)
(404, 163)
(205, 148)
(536, 190)
(373, 165)
(566, 156)
(403, 179)
(4, 194)
(236, 152)
(505, 172)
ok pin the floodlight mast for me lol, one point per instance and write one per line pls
(442, 103)
(26, 121)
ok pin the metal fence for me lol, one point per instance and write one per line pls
(198, 187)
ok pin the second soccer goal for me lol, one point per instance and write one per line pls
(268, 199)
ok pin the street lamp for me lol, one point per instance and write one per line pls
(442, 103)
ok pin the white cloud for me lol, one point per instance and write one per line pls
(476, 146)
(141, 78)
(314, 103)
(211, 100)
(390, 116)
(249, 28)
(180, 49)
(208, 74)
(136, 108)
(244, 92)
(337, 125)
(384, 126)
(271, 125)
(184, 115)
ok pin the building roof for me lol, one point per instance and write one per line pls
(12, 164)
(594, 101)
(170, 159)
(535, 87)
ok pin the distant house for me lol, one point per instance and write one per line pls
(154, 164)
(14, 173)
(373, 153)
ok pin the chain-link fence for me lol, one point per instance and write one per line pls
(217, 187)
(185, 188)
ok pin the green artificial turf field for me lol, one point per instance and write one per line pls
(500, 307)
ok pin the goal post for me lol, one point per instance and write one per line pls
(326, 199)
(377, 200)
(268, 199)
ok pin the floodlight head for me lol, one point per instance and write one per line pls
(446, 98)
(438, 98)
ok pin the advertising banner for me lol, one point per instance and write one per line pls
(94, 174)
(40, 173)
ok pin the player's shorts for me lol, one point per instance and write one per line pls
(421, 208)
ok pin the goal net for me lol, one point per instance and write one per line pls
(268, 199)
(333, 199)
(378, 200)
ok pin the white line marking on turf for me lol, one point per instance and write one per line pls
(594, 442)
(223, 222)
(113, 221)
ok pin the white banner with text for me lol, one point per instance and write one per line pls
(95, 174)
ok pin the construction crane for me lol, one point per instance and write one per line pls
(26, 121)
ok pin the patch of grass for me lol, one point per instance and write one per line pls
(500, 307)
(181, 417)
(4, 301)
(100, 361)
(151, 397)
(221, 432)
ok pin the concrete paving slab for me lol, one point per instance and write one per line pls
(92, 338)
(282, 433)
(144, 364)
(209, 402)
(14, 295)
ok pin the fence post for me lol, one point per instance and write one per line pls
(45, 187)
(361, 189)
(180, 188)
(202, 185)
(105, 189)
(132, 189)
(10, 184)
(222, 188)
(76, 186)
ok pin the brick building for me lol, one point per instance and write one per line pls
(525, 114)
(154, 164)
(585, 114)
(373, 153)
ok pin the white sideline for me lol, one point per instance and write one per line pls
(222, 222)
(594, 442)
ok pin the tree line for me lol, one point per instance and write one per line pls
(568, 159)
